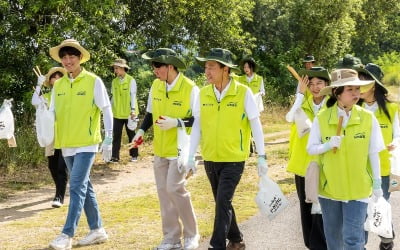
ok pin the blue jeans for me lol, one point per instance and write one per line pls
(344, 224)
(81, 193)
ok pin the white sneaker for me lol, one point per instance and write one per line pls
(56, 203)
(95, 236)
(192, 242)
(62, 242)
(169, 246)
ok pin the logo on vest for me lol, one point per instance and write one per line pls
(208, 104)
(383, 125)
(177, 103)
(81, 93)
(157, 99)
(60, 94)
(359, 135)
(231, 104)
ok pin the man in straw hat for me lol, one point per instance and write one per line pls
(56, 163)
(349, 140)
(124, 107)
(78, 98)
(225, 115)
(171, 97)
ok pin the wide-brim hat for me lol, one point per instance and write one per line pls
(319, 72)
(69, 43)
(344, 77)
(120, 62)
(349, 62)
(164, 55)
(53, 70)
(308, 58)
(374, 71)
(223, 56)
(247, 60)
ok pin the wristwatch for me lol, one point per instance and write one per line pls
(263, 156)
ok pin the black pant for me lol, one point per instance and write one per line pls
(59, 173)
(312, 225)
(224, 177)
(117, 134)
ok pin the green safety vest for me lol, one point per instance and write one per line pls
(299, 159)
(346, 174)
(121, 105)
(225, 127)
(47, 97)
(77, 116)
(255, 83)
(174, 103)
(387, 132)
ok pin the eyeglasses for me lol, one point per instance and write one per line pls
(158, 64)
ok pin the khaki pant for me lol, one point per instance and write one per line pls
(174, 200)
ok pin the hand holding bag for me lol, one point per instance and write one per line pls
(183, 147)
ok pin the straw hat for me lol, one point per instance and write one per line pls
(120, 63)
(52, 71)
(344, 77)
(164, 55)
(223, 56)
(69, 43)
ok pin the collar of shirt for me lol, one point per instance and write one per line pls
(170, 86)
(250, 78)
(317, 107)
(371, 108)
(346, 117)
(221, 95)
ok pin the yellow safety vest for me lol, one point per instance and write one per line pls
(255, 83)
(299, 159)
(175, 104)
(121, 105)
(346, 174)
(225, 127)
(77, 116)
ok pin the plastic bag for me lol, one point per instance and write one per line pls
(183, 147)
(379, 218)
(6, 120)
(44, 125)
(270, 199)
(132, 123)
(312, 182)
(259, 101)
(394, 184)
(303, 123)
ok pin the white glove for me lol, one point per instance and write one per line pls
(334, 142)
(132, 123)
(106, 148)
(166, 122)
(377, 189)
(137, 140)
(191, 165)
(40, 80)
(262, 165)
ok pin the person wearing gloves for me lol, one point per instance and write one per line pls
(301, 115)
(349, 168)
(124, 108)
(225, 115)
(56, 163)
(171, 97)
(375, 99)
(78, 98)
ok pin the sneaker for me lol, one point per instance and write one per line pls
(169, 246)
(114, 160)
(56, 203)
(192, 242)
(62, 242)
(134, 159)
(236, 246)
(95, 236)
(386, 246)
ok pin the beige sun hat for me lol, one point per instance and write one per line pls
(344, 77)
(120, 62)
(53, 70)
(69, 43)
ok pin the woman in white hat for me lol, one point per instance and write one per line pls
(56, 163)
(347, 159)
(78, 98)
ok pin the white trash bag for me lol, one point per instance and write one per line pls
(132, 123)
(303, 123)
(183, 147)
(259, 101)
(6, 120)
(379, 218)
(44, 125)
(394, 184)
(270, 199)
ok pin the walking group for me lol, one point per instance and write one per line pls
(344, 127)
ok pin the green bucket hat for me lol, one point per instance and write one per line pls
(319, 72)
(374, 71)
(308, 58)
(164, 55)
(223, 56)
(249, 60)
(349, 62)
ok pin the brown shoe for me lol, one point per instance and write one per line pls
(236, 246)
